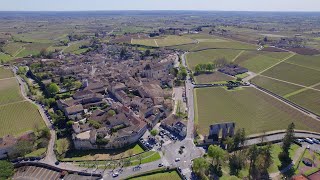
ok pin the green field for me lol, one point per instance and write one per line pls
(213, 42)
(257, 61)
(248, 108)
(278, 87)
(312, 62)
(171, 175)
(5, 73)
(33, 49)
(309, 99)
(162, 42)
(75, 47)
(13, 48)
(5, 57)
(211, 55)
(295, 74)
(213, 77)
(9, 91)
(41, 36)
(17, 118)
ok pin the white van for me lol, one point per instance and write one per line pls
(309, 141)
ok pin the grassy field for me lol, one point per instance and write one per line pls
(5, 73)
(213, 77)
(172, 175)
(162, 42)
(276, 150)
(207, 56)
(248, 108)
(312, 62)
(295, 74)
(17, 118)
(75, 47)
(41, 36)
(258, 61)
(278, 87)
(103, 154)
(9, 91)
(309, 99)
(33, 49)
(13, 48)
(5, 57)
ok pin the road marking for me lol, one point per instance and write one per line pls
(302, 90)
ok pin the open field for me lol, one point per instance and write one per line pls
(211, 55)
(5, 57)
(5, 73)
(75, 46)
(9, 91)
(312, 62)
(18, 118)
(171, 175)
(32, 49)
(309, 99)
(277, 87)
(295, 74)
(13, 48)
(258, 61)
(212, 77)
(162, 42)
(103, 154)
(41, 36)
(248, 108)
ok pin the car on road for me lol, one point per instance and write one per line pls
(177, 159)
(179, 169)
(161, 165)
(115, 174)
(57, 163)
(308, 147)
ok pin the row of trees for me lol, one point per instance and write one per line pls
(209, 67)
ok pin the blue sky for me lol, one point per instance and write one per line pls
(224, 5)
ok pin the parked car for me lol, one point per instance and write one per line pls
(161, 165)
(315, 140)
(115, 174)
(177, 159)
(300, 140)
(309, 141)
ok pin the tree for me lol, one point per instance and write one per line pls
(154, 132)
(182, 74)
(286, 144)
(22, 148)
(7, 170)
(236, 163)
(111, 113)
(200, 167)
(217, 154)
(53, 88)
(64, 147)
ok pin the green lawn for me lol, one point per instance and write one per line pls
(309, 99)
(211, 55)
(9, 91)
(17, 118)
(171, 175)
(276, 150)
(213, 77)
(248, 108)
(278, 87)
(37, 152)
(5, 73)
(85, 155)
(295, 74)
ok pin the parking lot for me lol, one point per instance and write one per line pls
(313, 145)
(33, 172)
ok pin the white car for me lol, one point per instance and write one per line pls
(177, 159)
(115, 174)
